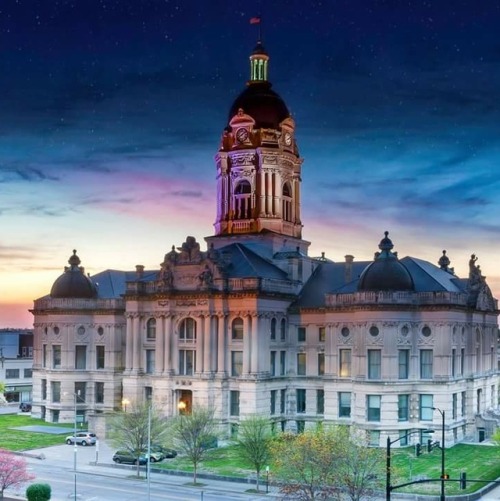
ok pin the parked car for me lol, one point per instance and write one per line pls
(25, 406)
(82, 438)
(128, 458)
(155, 455)
(167, 453)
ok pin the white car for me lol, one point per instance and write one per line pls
(82, 438)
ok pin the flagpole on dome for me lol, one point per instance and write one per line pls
(257, 20)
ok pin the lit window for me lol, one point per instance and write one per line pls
(301, 364)
(345, 363)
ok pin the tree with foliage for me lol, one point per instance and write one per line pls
(192, 432)
(2, 391)
(326, 463)
(129, 430)
(13, 471)
(39, 492)
(496, 436)
(254, 437)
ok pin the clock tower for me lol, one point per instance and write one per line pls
(258, 164)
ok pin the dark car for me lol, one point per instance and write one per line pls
(167, 453)
(25, 406)
(127, 457)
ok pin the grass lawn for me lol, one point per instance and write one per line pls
(477, 461)
(17, 440)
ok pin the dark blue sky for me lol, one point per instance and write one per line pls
(112, 112)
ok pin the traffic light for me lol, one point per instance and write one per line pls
(463, 480)
(418, 450)
(429, 445)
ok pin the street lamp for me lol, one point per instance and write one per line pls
(388, 487)
(267, 479)
(442, 498)
(125, 402)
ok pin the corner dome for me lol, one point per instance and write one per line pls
(73, 283)
(386, 273)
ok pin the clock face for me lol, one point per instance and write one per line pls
(241, 135)
(288, 138)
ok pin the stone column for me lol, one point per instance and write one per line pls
(136, 330)
(207, 346)
(129, 343)
(167, 367)
(255, 364)
(175, 347)
(159, 344)
(330, 356)
(247, 344)
(221, 343)
(199, 344)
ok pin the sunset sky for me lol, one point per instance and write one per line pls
(112, 111)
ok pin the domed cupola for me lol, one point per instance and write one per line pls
(73, 283)
(386, 273)
(258, 100)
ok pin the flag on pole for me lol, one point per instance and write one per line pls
(255, 20)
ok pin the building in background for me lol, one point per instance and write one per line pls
(16, 362)
(252, 324)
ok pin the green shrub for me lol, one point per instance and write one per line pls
(38, 492)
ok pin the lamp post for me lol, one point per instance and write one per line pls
(388, 487)
(442, 497)
(267, 479)
(75, 446)
(148, 464)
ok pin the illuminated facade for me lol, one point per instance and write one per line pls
(252, 324)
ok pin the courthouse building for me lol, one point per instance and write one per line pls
(250, 323)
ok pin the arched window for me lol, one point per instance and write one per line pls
(287, 202)
(237, 329)
(243, 200)
(273, 329)
(151, 328)
(283, 330)
(187, 330)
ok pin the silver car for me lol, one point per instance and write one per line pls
(82, 438)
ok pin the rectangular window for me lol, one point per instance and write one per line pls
(28, 373)
(301, 335)
(301, 425)
(273, 401)
(99, 393)
(100, 359)
(463, 404)
(345, 363)
(374, 438)
(454, 405)
(56, 356)
(426, 357)
(453, 365)
(403, 437)
(80, 391)
(150, 361)
(44, 389)
(426, 407)
(80, 357)
(282, 363)
(321, 364)
(373, 403)
(374, 364)
(282, 401)
(320, 401)
(403, 364)
(301, 400)
(344, 404)
(234, 403)
(11, 373)
(273, 363)
(322, 334)
(403, 407)
(44, 355)
(301, 364)
(236, 363)
(148, 393)
(55, 389)
(462, 361)
(283, 330)
(187, 362)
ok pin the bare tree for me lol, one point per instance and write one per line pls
(13, 471)
(192, 432)
(254, 437)
(129, 430)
